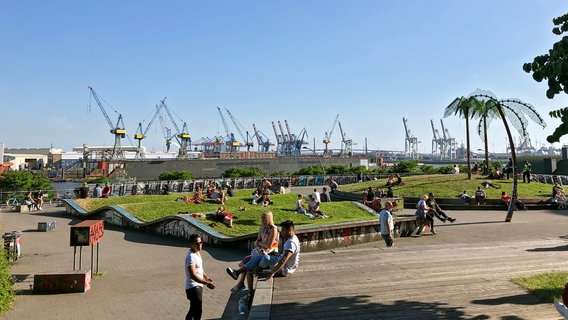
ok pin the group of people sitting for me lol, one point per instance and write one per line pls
(34, 201)
(394, 180)
(559, 197)
(265, 255)
(427, 208)
(315, 198)
(219, 196)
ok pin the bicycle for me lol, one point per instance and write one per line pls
(12, 203)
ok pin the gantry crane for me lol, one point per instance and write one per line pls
(181, 135)
(410, 142)
(238, 125)
(327, 137)
(139, 135)
(117, 130)
(450, 144)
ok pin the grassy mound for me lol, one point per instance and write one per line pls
(451, 185)
(149, 208)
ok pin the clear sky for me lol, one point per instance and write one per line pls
(371, 62)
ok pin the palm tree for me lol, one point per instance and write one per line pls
(463, 107)
(514, 110)
(486, 112)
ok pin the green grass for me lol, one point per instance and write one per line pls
(451, 185)
(547, 285)
(149, 208)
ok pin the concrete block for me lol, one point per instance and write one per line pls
(62, 282)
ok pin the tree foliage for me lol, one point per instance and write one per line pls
(6, 279)
(235, 172)
(176, 175)
(553, 66)
(24, 180)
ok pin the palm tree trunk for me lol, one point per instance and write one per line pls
(486, 145)
(514, 195)
(466, 114)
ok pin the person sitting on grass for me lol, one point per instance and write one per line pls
(369, 196)
(221, 196)
(283, 265)
(314, 207)
(197, 196)
(480, 196)
(436, 210)
(505, 199)
(300, 208)
(255, 197)
(390, 193)
(221, 216)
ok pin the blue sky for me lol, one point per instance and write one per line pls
(371, 62)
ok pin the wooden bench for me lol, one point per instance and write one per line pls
(262, 297)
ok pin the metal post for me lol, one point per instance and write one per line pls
(80, 257)
(98, 257)
(92, 259)
(74, 256)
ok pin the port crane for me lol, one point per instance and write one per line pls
(238, 125)
(117, 130)
(140, 135)
(346, 144)
(261, 139)
(182, 136)
(410, 142)
(327, 136)
(230, 140)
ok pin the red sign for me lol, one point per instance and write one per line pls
(88, 232)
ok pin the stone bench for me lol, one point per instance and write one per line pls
(23, 208)
(489, 204)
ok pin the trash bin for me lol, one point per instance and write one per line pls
(12, 244)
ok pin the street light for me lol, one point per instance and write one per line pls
(317, 156)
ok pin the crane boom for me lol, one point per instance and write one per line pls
(225, 126)
(101, 107)
(165, 106)
(236, 123)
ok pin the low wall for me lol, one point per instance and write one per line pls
(313, 238)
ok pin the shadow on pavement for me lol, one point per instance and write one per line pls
(557, 248)
(360, 307)
(528, 299)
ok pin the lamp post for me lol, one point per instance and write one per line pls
(318, 157)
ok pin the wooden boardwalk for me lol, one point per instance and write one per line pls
(464, 272)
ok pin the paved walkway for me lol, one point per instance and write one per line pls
(143, 274)
(461, 273)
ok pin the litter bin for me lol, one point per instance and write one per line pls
(12, 244)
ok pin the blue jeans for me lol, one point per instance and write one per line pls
(261, 261)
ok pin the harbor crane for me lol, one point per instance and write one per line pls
(346, 144)
(117, 130)
(230, 140)
(450, 144)
(327, 136)
(182, 136)
(166, 132)
(410, 142)
(140, 135)
(261, 139)
(238, 125)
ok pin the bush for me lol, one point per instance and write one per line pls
(405, 166)
(6, 280)
(176, 175)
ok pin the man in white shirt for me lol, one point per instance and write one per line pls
(387, 224)
(283, 265)
(195, 278)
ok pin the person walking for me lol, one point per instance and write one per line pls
(195, 278)
(509, 167)
(527, 171)
(387, 224)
